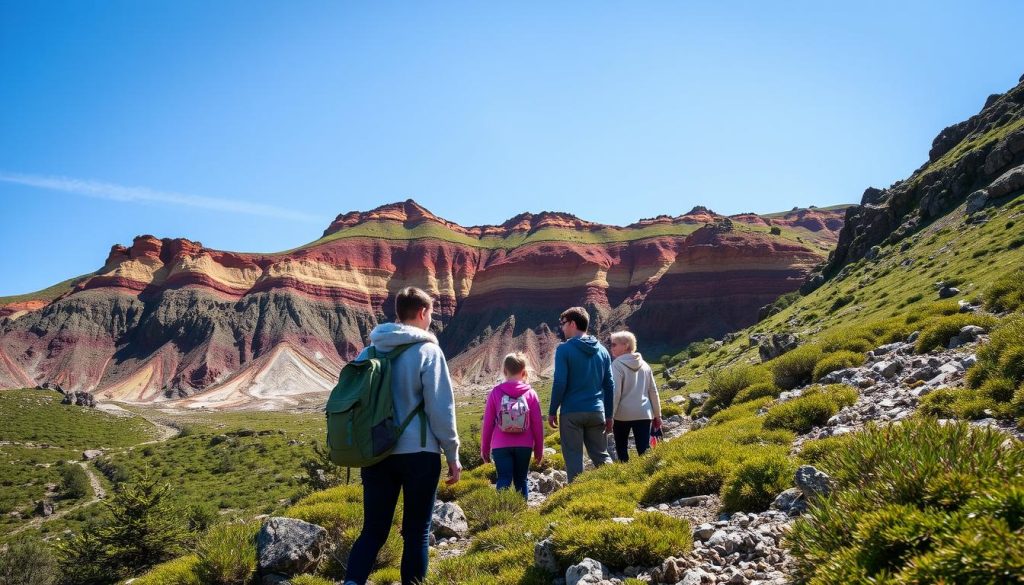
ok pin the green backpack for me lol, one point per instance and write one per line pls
(361, 427)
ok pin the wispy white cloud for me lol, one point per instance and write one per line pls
(114, 192)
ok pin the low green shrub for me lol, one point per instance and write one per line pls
(993, 400)
(1006, 293)
(554, 461)
(647, 540)
(940, 329)
(841, 302)
(180, 571)
(681, 480)
(754, 483)
(385, 576)
(74, 482)
(1002, 355)
(670, 409)
(939, 403)
(450, 493)
(593, 501)
(795, 368)
(486, 471)
(526, 529)
(27, 562)
(553, 440)
(227, 554)
(917, 502)
(838, 360)
(314, 580)
(739, 411)
(816, 452)
(813, 408)
(488, 507)
(755, 391)
(336, 517)
(725, 383)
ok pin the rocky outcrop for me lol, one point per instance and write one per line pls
(286, 546)
(171, 319)
(979, 158)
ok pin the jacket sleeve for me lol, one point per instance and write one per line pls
(652, 393)
(536, 425)
(439, 401)
(608, 385)
(487, 428)
(618, 378)
(560, 379)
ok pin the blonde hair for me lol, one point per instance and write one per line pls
(515, 363)
(626, 338)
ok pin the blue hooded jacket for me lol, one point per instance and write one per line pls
(583, 377)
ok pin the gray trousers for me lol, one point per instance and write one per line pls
(579, 429)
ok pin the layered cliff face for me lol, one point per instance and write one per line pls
(172, 320)
(977, 161)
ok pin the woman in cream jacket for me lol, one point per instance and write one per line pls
(636, 404)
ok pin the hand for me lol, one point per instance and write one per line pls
(485, 458)
(657, 422)
(608, 424)
(538, 460)
(454, 472)
(553, 421)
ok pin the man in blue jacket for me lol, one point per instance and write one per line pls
(583, 389)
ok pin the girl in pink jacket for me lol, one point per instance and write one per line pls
(512, 427)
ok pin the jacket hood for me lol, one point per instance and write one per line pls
(633, 361)
(514, 388)
(588, 344)
(388, 336)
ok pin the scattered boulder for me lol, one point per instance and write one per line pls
(791, 501)
(288, 546)
(776, 345)
(976, 201)
(44, 508)
(698, 398)
(887, 369)
(586, 572)
(970, 333)
(544, 556)
(79, 399)
(90, 454)
(1010, 181)
(813, 482)
(449, 520)
(703, 532)
(948, 292)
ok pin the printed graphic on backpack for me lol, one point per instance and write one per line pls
(513, 416)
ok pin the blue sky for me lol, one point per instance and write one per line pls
(250, 126)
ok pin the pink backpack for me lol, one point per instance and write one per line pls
(513, 414)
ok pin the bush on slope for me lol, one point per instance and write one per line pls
(917, 502)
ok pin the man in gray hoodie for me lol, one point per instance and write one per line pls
(419, 376)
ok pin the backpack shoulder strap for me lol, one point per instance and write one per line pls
(420, 410)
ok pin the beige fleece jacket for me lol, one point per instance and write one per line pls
(636, 395)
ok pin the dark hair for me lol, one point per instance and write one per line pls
(409, 301)
(514, 363)
(577, 315)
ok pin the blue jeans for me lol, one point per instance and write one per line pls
(641, 435)
(513, 464)
(416, 476)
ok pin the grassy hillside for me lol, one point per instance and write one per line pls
(39, 436)
(900, 280)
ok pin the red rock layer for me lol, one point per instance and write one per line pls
(168, 319)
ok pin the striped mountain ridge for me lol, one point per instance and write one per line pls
(171, 320)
